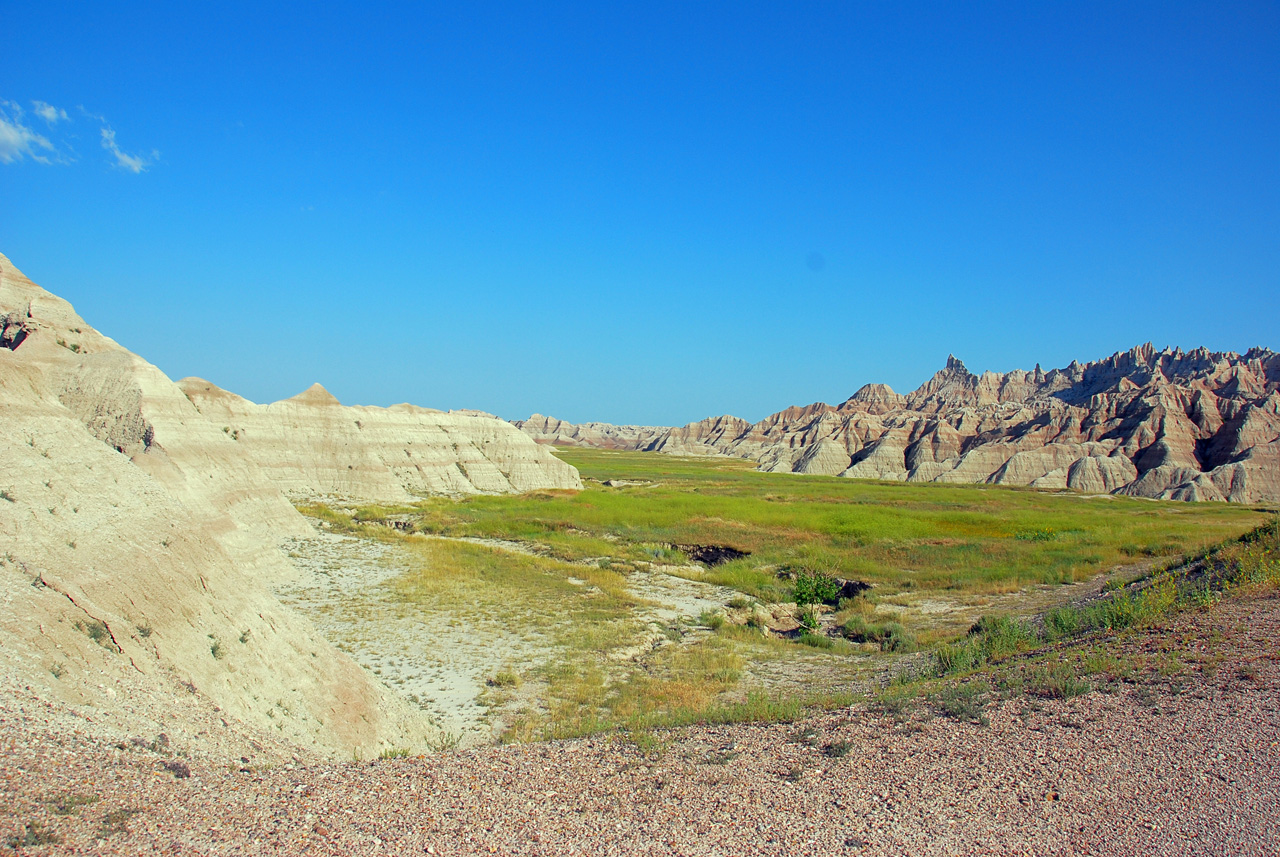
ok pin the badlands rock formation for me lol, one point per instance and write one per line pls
(549, 430)
(311, 445)
(139, 524)
(1195, 425)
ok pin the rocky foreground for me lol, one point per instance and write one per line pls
(1194, 425)
(1182, 760)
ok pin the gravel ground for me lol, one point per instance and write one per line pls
(1141, 770)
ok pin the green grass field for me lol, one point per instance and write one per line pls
(965, 538)
(937, 556)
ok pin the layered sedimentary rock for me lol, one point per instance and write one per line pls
(311, 445)
(140, 521)
(1171, 424)
(551, 431)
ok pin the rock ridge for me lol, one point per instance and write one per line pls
(1166, 424)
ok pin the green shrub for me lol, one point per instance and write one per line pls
(815, 587)
(808, 618)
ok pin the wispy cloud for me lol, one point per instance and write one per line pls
(19, 141)
(49, 113)
(133, 163)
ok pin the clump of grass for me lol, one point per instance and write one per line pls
(712, 619)
(503, 678)
(817, 641)
(70, 803)
(1244, 561)
(992, 638)
(1045, 534)
(738, 602)
(96, 630)
(394, 753)
(889, 636)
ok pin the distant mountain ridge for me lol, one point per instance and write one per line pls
(1169, 424)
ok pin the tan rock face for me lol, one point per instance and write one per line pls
(140, 521)
(311, 445)
(1172, 424)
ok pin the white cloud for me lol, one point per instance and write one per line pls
(133, 163)
(18, 141)
(49, 113)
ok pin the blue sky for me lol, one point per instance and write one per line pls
(642, 212)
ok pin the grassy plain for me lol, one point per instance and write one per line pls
(935, 555)
(959, 538)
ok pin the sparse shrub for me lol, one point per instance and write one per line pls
(712, 619)
(394, 753)
(1056, 682)
(34, 834)
(837, 749)
(963, 702)
(5, 495)
(58, 670)
(245, 634)
(215, 647)
(116, 821)
(144, 631)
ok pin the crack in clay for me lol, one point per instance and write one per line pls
(102, 622)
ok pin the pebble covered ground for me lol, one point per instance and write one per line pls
(1141, 769)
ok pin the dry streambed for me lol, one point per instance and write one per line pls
(470, 656)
